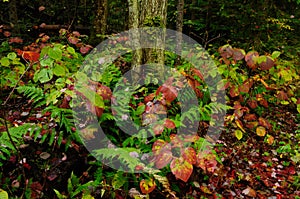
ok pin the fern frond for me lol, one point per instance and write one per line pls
(33, 93)
(122, 154)
(17, 133)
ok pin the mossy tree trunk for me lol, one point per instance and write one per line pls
(147, 13)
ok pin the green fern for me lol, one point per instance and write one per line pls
(33, 93)
(17, 133)
(122, 154)
(62, 116)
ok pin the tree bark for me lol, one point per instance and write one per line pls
(100, 22)
(179, 25)
(147, 13)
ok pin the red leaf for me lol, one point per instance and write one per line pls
(238, 54)
(252, 103)
(104, 91)
(250, 59)
(29, 55)
(281, 95)
(245, 87)
(85, 49)
(234, 92)
(17, 40)
(158, 129)
(206, 161)
(73, 40)
(169, 124)
(149, 98)
(264, 103)
(181, 168)
(189, 154)
(163, 159)
(263, 122)
(269, 63)
(169, 92)
(176, 141)
(226, 51)
(250, 117)
(160, 146)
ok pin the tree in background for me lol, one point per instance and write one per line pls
(147, 13)
(100, 22)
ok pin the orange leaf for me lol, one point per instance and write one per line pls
(261, 131)
(147, 186)
(270, 140)
(29, 55)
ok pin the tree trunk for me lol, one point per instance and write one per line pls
(147, 13)
(179, 25)
(13, 16)
(100, 22)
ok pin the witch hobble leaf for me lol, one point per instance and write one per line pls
(181, 168)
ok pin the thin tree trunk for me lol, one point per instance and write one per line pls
(100, 22)
(179, 25)
(13, 16)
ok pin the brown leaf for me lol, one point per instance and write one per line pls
(249, 192)
(263, 122)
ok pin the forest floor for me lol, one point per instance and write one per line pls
(251, 167)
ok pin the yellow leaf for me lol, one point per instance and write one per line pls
(240, 125)
(261, 131)
(238, 134)
(3, 194)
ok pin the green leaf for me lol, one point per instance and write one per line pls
(92, 96)
(12, 56)
(4, 61)
(140, 109)
(58, 70)
(275, 54)
(118, 180)
(55, 53)
(238, 134)
(71, 50)
(298, 108)
(261, 59)
(59, 195)
(45, 75)
(47, 62)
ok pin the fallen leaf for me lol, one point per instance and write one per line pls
(249, 192)
(44, 155)
(238, 134)
(261, 131)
